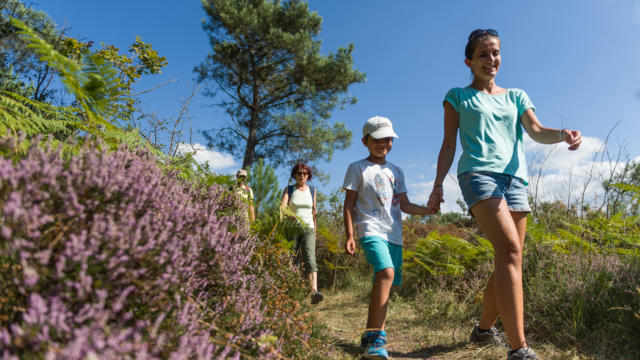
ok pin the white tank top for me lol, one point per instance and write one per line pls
(301, 203)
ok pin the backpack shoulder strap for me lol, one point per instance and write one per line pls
(290, 189)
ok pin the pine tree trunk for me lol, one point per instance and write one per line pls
(252, 140)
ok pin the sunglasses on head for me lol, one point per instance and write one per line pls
(479, 32)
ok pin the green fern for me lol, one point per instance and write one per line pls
(18, 113)
(92, 82)
(98, 93)
(447, 254)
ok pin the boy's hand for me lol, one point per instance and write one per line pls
(350, 246)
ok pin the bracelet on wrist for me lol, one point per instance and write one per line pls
(562, 134)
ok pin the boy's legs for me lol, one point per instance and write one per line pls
(386, 260)
(379, 299)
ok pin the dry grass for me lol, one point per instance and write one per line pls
(410, 334)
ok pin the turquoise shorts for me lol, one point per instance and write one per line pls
(382, 254)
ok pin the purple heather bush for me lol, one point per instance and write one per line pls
(585, 299)
(105, 255)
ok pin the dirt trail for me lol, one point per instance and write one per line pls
(344, 314)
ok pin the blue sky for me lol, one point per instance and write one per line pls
(577, 60)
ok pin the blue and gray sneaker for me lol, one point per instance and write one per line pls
(373, 343)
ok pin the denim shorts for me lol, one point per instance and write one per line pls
(481, 185)
(382, 255)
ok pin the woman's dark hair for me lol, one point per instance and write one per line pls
(475, 37)
(301, 166)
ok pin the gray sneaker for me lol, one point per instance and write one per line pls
(491, 337)
(523, 353)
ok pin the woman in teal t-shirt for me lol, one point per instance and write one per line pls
(492, 175)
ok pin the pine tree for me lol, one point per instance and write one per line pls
(266, 70)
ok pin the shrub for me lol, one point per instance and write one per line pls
(583, 300)
(105, 255)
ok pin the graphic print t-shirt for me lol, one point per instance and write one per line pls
(377, 205)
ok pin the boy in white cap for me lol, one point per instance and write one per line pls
(376, 196)
(245, 192)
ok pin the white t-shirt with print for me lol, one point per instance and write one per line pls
(377, 205)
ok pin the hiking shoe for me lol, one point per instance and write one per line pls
(363, 342)
(490, 337)
(523, 353)
(316, 297)
(375, 342)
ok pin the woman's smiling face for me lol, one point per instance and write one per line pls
(486, 59)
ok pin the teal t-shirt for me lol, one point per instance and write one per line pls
(490, 130)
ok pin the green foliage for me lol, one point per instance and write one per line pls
(623, 190)
(10, 82)
(287, 300)
(336, 269)
(12, 301)
(618, 233)
(281, 228)
(585, 300)
(441, 254)
(278, 90)
(93, 83)
(20, 71)
(18, 113)
(266, 190)
(143, 61)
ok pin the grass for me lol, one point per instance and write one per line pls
(581, 302)
(433, 324)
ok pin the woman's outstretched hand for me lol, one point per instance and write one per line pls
(573, 138)
(435, 199)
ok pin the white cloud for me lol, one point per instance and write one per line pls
(203, 155)
(575, 177)
(559, 157)
(419, 193)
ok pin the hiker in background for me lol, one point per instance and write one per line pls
(492, 175)
(245, 192)
(301, 198)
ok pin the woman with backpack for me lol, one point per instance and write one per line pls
(301, 198)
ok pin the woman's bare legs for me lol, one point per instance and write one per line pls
(503, 294)
(313, 279)
(489, 306)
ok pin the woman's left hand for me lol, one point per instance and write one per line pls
(573, 138)
(435, 199)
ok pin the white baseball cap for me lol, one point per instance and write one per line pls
(378, 127)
